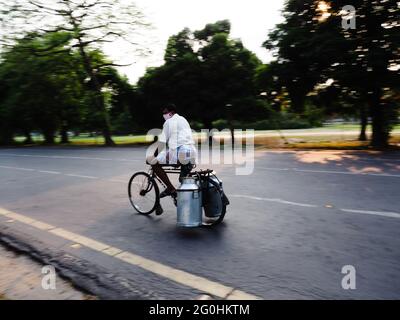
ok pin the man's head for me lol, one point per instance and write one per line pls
(168, 111)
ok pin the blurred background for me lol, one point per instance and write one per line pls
(301, 73)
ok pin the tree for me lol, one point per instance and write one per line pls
(293, 43)
(91, 24)
(50, 92)
(120, 99)
(204, 72)
(228, 77)
(371, 63)
(179, 46)
(312, 47)
(40, 92)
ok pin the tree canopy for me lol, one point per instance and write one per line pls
(49, 92)
(205, 71)
(54, 76)
(313, 46)
(90, 24)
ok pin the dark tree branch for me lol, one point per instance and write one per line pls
(110, 64)
(42, 7)
(57, 29)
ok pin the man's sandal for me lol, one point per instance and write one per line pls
(159, 210)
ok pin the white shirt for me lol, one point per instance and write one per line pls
(176, 132)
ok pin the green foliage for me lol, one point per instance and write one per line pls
(312, 48)
(202, 82)
(178, 46)
(313, 115)
(274, 120)
(40, 92)
(50, 92)
(295, 43)
(212, 29)
(281, 121)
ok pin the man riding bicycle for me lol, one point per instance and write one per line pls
(180, 151)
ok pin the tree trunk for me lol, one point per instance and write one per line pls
(363, 122)
(28, 138)
(297, 102)
(99, 100)
(6, 138)
(231, 128)
(232, 136)
(64, 134)
(208, 126)
(380, 132)
(48, 136)
(94, 82)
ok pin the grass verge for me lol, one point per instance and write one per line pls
(291, 139)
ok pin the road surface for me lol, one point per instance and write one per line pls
(291, 227)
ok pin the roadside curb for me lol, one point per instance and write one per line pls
(83, 275)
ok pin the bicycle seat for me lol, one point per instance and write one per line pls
(171, 165)
(177, 165)
(174, 166)
(202, 172)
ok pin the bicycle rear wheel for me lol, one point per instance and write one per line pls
(143, 192)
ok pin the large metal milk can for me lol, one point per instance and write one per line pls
(189, 203)
(212, 199)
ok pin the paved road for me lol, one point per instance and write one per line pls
(291, 226)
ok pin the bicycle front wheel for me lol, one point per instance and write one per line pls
(143, 192)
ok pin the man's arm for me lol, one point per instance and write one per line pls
(164, 137)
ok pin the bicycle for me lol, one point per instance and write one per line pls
(144, 193)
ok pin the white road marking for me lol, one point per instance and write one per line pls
(66, 157)
(64, 174)
(274, 200)
(182, 277)
(136, 160)
(273, 169)
(331, 172)
(376, 213)
(277, 200)
(80, 176)
(17, 168)
(51, 172)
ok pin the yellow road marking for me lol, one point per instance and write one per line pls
(179, 276)
(176, 275)
(42, 225)
(112, 251)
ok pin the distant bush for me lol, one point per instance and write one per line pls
(276, 121)
(196, 125)
(314, 115)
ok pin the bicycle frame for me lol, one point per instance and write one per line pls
(207, 179)
(177, 170)
(169, 169)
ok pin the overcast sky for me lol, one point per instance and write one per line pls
(250, 19)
